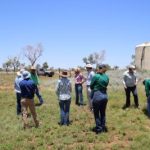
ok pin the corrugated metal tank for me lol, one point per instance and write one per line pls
(142, 56)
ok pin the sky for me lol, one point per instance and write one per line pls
(70, 30)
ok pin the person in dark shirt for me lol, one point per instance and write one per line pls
(28, 88)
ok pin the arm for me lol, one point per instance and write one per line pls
(147, 88)
(92, 82)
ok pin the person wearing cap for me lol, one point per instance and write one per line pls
(146, 83)
(99, 97)
(90, 74)
(18, 79)
(79, 80)
(28, 88)
(63, 91)
(130, 85)
(35, 79)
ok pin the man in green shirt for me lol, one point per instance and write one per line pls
(146, 83)
(99, 97)
(35, 79)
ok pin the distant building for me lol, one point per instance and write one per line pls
(142, 56)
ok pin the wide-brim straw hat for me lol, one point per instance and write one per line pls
(64, 73)
(89, 66)
(131, 67)
(33, 68)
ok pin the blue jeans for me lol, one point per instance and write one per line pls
(79, 95)
(39, 95)
(148, 105)
(18, 96)
(64, 111)
(99, 108)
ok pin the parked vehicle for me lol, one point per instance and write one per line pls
(43, 72)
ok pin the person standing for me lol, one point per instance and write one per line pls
(28, 88)
(79, 80)
(130, 85)
(99, 97)
(146, 83)
(18, 91)
(63, 91)
(90, 74)
(35, 79)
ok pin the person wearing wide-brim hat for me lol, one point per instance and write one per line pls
(79, 80)
(28, 87)
(18, 79)
(130, 85)
(90, 74)
(63, 91)
(35, 79)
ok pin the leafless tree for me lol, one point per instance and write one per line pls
(15, 62)
(33, 53)
(95, 58)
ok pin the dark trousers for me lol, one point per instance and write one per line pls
(79, 94)
(128, 90)
(99, 109)
(18, 96)
(38, 95)
(64, 111)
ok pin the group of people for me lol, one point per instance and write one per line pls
(27, 83)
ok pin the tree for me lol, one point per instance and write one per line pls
(15, 63)
(45, 65)
(95, 58)
(33, 53)
(7, 65)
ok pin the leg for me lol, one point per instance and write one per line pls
(135, 95)
(103, 113)
(77, 94)
(89, 97)
(62, 112)
(18, 96)
(80, 94)
(24, 106)
(96, 110)
(33, 112)
(127, 91)
(67, 110)
(39, 95)
(148, 106)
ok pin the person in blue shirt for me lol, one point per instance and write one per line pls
(28, 88)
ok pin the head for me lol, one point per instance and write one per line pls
(19, 74)
(32, 69)
(77, 70)
(22, 70)
(26, 75)
(89, 67)
(102, 68)
(64, 74)
(131, 68)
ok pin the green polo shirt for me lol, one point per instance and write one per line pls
(99, 82)
(147, 87)
(35, 78)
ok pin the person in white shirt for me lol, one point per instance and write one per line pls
(90, 74)
(130, 85)
(63, 91)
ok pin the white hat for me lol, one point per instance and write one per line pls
(26, 75)
(131, 67)
(89, 66)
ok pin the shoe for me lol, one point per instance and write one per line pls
(60, 123)
(104, 129)
(124, 107)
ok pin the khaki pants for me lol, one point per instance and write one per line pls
(25, 103)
